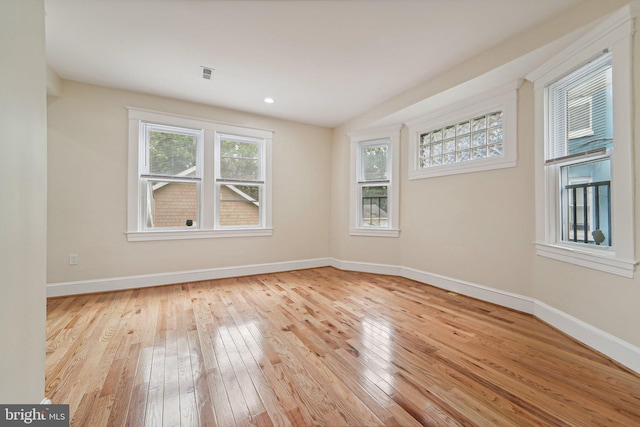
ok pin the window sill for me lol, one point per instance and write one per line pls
(465, 167)
(374, 232)
(142, 236)
(597, 260)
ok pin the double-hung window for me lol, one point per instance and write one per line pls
(375, 186)
(584, 163)
(373, 183)
(193, 178)
(170, 176)
(239, 180)
(578, 152)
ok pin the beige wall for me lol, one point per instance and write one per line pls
(476, 227)
(479, 227)
(88, 131)
(606, 301)
(23, 185)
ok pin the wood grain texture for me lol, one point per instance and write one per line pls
(322, 347)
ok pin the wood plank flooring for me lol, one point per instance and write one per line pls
(322, 347)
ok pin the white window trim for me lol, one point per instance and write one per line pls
(218, 180)
(392, 134)
(504, 97)
(207, 228)
(614, 33)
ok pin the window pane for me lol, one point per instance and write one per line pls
(239, 205)
(581, 110)
(239, 160)
(463, 128)
(590, 113)
(586, 202)
(464, 141)
(375, 162)
(171, 204)
(172, 153)
(374, 206)
(478, 123)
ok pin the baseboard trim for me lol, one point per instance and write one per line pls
(619, 350)
(611, 346)
(474, 290)
(148, 280)
(366, 267)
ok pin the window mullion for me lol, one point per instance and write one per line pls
(208, 199)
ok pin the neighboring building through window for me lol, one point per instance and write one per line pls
(375, 183)
(584, 161)
(170, 176)
(580, 120)
(239, 180)
(191, 178)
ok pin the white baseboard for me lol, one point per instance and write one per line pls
(366, 267)
(484, 293)
(619, 350)
(147, 280)
(607, 344)
(496, 296)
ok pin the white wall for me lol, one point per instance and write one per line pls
(23, 186)
(88, 140)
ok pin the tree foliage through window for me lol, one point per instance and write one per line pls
(171, 153)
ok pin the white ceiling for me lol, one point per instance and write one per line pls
(324, 62)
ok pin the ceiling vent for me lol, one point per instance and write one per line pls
(207, 73)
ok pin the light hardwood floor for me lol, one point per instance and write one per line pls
(321, 347)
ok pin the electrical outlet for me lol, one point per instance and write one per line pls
(73, 259)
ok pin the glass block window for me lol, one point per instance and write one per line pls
(475, 138)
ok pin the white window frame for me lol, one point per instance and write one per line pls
(503, 98)
(219, 181)
(390, 135)
(144, 172)
(613, 34)
(208, 154)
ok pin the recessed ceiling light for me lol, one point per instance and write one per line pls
(269, 100)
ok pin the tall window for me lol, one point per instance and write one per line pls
(375, 182)
(170, 176)
(584, 160)
(239, 180)
(192, 178)
(579, 146)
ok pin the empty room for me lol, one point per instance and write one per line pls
(320, 213)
